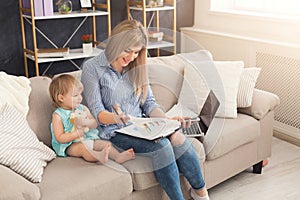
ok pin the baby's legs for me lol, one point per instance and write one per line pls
(114, 154)
(78, 149)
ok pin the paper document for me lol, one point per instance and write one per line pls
(150, 128)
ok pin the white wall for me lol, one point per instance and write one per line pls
(287, 31)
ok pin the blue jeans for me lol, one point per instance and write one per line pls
(167, 162)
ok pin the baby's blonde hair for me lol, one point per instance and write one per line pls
(61, 85)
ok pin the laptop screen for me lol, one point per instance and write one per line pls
(208, 111)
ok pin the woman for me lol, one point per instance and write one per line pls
(117, 79)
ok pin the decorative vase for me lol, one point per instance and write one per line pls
(64, 6)
(87, 48)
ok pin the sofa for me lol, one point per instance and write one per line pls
(242, 142)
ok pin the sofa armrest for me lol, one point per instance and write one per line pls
(14, 186)
(262, 103)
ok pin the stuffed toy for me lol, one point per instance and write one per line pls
(80, 114)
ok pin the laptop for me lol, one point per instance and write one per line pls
(200, 126)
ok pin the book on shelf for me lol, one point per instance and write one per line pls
(150, 128)
(48, 7)
(53, 52)
(37, 5)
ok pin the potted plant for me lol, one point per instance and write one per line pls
(64, 6)
(87, 43)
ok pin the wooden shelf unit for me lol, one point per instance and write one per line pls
(27, 14)
(169, 5)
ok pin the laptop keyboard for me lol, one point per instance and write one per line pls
(192, 131)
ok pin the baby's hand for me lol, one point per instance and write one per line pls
(84, 128)
(80, 132)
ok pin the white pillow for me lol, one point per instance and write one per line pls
(247, 83)
(221, 76)
(194, 88)
(20, 149)
(15, 90)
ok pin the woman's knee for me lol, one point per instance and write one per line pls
(177, 138)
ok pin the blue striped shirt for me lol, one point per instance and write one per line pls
(105, 87)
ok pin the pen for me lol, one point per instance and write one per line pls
(119, 116)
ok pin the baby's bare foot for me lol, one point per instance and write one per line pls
(102, 156)
(125, 156)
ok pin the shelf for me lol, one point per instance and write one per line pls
(73, 14)
(152, 9)
(161, 44)
(94, 13)
(137, 8)
(73, 54)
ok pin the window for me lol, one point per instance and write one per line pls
(274, 7)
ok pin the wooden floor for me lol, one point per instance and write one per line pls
(280, 179)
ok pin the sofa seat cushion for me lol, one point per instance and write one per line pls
(74, 178)
(15, 186)
(234, 133)
(141, 169)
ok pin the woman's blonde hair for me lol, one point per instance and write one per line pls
(128, 34)
(61, 85)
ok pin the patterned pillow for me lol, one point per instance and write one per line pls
(246, 86)
(20, 150)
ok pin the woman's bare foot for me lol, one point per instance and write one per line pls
(125, 156)
(102, 156)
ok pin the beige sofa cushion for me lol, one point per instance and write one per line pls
(235, 132)
(74, 178)
(141, 169)
(165, 77)
(14, 186)
(40, 109)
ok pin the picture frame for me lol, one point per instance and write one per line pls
(85, 3)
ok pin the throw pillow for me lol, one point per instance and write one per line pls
(246, 86)
(15, 90)
(20, 149)
(230, 74)
(193, 81)
(221, 76)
